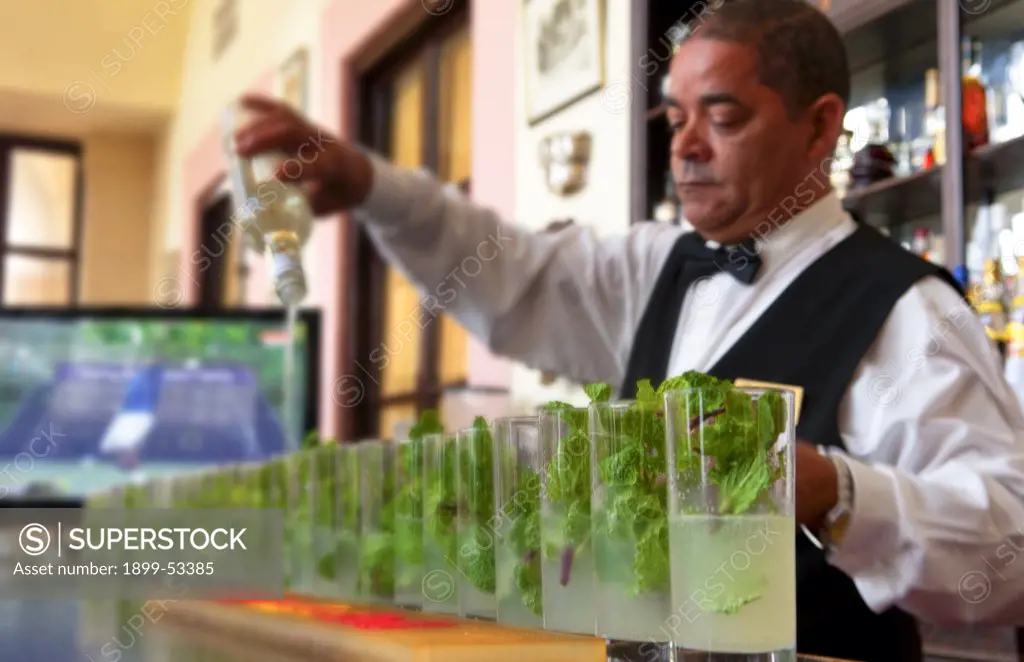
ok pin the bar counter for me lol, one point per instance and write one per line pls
(312, 631)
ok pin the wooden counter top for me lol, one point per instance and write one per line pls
(314, 631)
(378, 635)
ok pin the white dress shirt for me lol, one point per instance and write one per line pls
(934, 436)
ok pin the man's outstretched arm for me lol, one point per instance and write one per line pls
(565, 302)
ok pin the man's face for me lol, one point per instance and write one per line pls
(736, 154)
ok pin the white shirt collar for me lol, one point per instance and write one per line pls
(782, 234)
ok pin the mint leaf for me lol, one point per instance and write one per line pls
(598, 392)
(735, 435)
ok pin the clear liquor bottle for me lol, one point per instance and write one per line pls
(274, 213)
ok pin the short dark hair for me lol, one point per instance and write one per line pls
(800, 53)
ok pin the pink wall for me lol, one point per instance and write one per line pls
(346, 27)
(494, 163)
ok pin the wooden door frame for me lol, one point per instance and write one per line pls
(203, 200)
(407, 33)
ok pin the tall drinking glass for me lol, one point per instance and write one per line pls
(733, 531)
(567, 560)
(324, 487)
(348, 520)
(377, 539)
(298, 528)
(476, 522)
(518, 464)
(440, 528)
(630, 523)
(409, 524)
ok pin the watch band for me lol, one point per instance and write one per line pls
(844, 490)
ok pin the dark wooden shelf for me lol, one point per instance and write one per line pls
(989, 172)
(899, 200)
(993, 170)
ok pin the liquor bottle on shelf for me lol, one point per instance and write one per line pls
(922, 243)
(842, 161)
(937, 250)
(975, 95)
(667, 211)
(934, 120)
(902, 147)
(991, 304)
(874, 162)
(1015, 337)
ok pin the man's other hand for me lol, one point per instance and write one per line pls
(817, 485)
(336, 176)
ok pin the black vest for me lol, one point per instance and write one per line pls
(814, 336)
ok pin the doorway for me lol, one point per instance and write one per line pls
(222, 268)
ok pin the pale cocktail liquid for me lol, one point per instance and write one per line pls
(734, 584)
(519, 587)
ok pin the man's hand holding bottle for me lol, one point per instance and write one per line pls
(335, 175)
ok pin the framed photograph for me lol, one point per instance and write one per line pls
(564, 45)
(293, 80)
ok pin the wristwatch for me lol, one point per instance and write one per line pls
(837, 521)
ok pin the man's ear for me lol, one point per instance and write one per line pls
(826, 116)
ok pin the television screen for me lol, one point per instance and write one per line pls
(91, 399)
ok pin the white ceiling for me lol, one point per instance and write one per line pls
(91, 65)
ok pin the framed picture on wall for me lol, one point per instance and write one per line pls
(293, 80)
(564, 45)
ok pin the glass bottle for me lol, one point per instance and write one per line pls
(276, 212)
(991, 306)
(975, 95)
(934, 120)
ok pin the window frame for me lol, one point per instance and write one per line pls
(72, 256)
(366, 275)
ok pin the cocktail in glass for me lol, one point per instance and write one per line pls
(440, 526)
(409, 524)
(518, 464)
(348, 519)
(300, 568)
(323, 498)
(731, 513)
(567, 550)
(630, 523)
(377, 539)
(477, 522)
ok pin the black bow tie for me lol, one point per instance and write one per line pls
(742, 261)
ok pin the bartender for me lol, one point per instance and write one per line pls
(910, 468)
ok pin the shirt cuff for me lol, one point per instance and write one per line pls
(392, 194)
(872, 533)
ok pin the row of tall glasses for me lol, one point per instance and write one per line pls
(667, 522)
